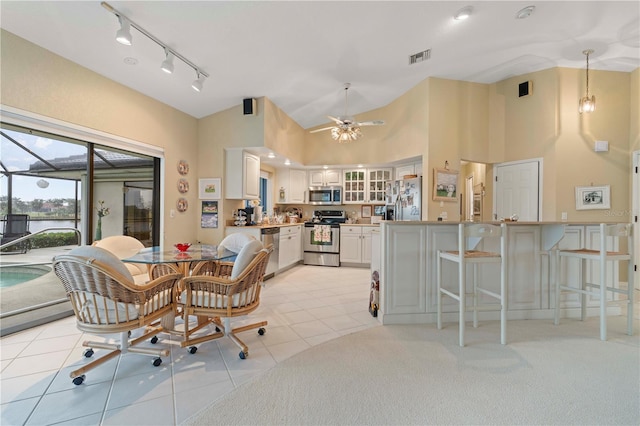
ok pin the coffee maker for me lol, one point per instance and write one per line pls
(389, 213)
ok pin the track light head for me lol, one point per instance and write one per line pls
(197, 84)
(123, 36)
(167, 64)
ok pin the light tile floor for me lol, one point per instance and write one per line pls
(305, 306)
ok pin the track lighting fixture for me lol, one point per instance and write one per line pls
(198, 82)
(124, 36)
(167, 64)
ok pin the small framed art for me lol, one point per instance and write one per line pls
(593, 197)
(366, 211)
(209, 189)
(445, 184)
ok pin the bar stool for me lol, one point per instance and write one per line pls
(469, 236)
(616, 232)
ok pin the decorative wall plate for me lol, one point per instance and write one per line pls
(182, 204)
(183, 167)
(183, 186)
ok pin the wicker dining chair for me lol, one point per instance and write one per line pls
(219, 297)
(106, 300)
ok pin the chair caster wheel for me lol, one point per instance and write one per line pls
(154, 340)
(261, 331)
(88, 353)
(243, 355)
(78, 380)
(156, 362)
(217, 329)
(129, 333)
(193, 350)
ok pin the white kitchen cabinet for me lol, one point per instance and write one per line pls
(355, 244)
(376, 179)
(325, 177)
(242, 175)
(290, 246)
(363, 186)
(405, 169)
(291, 183)
(355, 182)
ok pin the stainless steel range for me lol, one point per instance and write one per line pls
(322, 238)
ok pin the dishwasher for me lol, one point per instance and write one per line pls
(271, 236)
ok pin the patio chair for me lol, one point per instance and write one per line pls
(16, 226)
(105, 300)
(219, 298)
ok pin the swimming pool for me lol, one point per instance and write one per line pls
(14, 275)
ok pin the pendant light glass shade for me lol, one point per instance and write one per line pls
(587, 103)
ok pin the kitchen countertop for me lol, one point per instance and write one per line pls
(360, 224)
(261, 226)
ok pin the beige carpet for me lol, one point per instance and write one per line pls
(417, 375)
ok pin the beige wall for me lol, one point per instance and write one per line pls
(547, 125)
(229, 128)
(38, 81)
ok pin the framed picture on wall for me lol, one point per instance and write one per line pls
(445, 185)
(366, 211)
(209, 189)
(593, 197)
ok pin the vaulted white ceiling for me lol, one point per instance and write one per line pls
(300, 53)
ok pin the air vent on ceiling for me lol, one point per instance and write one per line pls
(419, 57)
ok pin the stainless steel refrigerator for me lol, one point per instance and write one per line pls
(404, 199)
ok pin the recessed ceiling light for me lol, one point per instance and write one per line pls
(130, 61)
(463, 13)
(525, 13)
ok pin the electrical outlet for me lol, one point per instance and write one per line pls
(564, 215)
(172, 213)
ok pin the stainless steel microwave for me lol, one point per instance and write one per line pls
(325, 195)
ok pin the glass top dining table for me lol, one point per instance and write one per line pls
(195, 253)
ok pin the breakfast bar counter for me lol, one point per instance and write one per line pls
(405, 255)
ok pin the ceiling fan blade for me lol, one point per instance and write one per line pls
(320, 130)
(337, 120)
(371, 123)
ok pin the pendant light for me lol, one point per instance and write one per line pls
(588, 103)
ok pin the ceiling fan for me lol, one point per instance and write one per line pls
(347, 129)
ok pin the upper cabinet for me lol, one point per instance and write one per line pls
(242, 180)
(291, 186)
(365, 185)
(325, 177)
(413, 168)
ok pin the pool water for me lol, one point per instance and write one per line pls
(14, 275)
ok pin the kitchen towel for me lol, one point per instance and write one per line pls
(321, 235)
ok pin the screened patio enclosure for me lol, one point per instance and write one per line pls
(61, 184)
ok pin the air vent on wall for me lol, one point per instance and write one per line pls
(420, 56)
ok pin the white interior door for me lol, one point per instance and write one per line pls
(468, 195)
(635, 189)
(517, 190)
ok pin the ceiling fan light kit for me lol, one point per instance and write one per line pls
(123, 35)
(346, 128)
